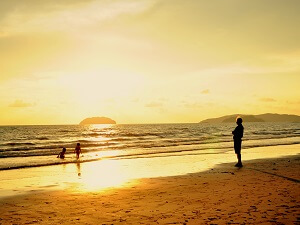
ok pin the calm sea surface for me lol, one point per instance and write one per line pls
(27, 146)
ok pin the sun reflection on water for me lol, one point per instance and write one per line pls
(99, 127)
(101, 175)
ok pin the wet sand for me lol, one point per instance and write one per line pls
(263, 191)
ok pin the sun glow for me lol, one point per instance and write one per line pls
(139, 61)
(101, 175)
(101, 86)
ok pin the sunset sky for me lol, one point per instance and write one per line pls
(147, 61)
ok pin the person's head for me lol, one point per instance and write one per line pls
(239, 120)
(64, 149)
(78, 144)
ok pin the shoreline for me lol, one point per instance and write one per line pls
(263, 191)
(110, 173)
(133, 156)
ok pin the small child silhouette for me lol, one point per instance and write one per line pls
(237, 139)
(62, 153)
(77, 150)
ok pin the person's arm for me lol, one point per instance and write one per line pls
(240, 132)
(234, 131)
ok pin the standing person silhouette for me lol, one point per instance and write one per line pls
(77, 150)
(237, 139)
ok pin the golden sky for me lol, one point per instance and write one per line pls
(147, 61)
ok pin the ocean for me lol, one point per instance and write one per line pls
(38, 145)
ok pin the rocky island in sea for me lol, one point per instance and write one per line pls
(97, 120)
(267, 117)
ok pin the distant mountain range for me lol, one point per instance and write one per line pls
(267, 117)
(97, 120)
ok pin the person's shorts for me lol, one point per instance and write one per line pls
(237, 147)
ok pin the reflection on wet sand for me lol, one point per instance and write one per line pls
(117, 173)
(104, 174)
(78, 169)
(101, 175)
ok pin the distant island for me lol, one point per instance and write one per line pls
(267, 117)
(97, 120)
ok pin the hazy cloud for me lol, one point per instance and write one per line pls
(193, 105)
(267, 100)
(206, 91)
(293, 102)
(135, 100)
(21, 104)
(154, 104)
(65, 15)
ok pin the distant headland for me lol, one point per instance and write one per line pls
(97, 120)
(267, 117)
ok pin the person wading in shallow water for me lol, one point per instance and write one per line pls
(62, 153)
(77, 150)
(237, 139)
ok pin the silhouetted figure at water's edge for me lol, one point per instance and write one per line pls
(237, 139)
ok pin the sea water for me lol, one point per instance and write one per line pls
(32, 146)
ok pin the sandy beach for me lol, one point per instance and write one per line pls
(149, 112)
(264, 191)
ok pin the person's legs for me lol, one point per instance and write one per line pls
(239, 156)
(237, 149)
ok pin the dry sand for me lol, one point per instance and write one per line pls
(262, 192)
